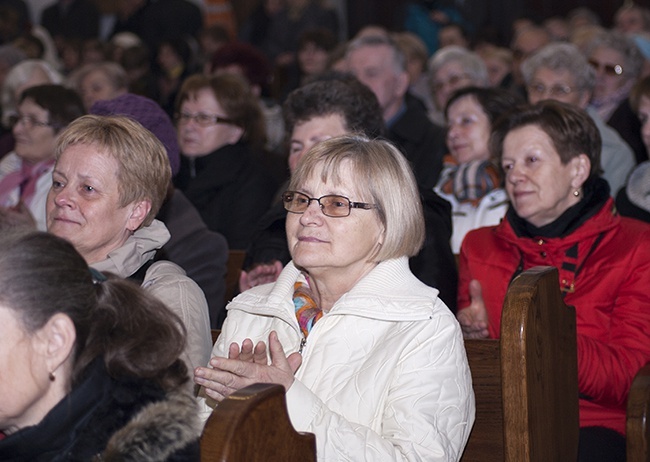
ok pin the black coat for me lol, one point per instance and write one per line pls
(153, 425)
(229, 189)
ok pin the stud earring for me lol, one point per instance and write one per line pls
(52, 376)
(576, 193)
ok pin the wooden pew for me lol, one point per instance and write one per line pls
(638, 417)
(526, 383)
(252, 425)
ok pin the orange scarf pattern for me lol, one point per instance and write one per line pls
(307, 312)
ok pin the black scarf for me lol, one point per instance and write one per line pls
(595, 194)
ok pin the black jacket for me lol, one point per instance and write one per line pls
(229, 189)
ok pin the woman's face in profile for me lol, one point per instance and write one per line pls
(540, 187)
(24, 378)
(341, 246)
(83, 205)
(468, 130)
(196, 140)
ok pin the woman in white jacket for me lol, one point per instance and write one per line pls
(372, 360)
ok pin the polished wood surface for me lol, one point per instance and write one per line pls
(526, 383)
(252, 425)
(638, 417)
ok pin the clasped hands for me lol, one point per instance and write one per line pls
(246, 365)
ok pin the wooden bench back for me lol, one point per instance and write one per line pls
(252, 425)
(638, 417)
(526, 383)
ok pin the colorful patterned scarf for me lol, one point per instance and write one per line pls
(307, 312)
(469, 181)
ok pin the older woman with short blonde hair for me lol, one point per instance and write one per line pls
(371, 359)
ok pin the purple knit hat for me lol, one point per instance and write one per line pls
(150, 115)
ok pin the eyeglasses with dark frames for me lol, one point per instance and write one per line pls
(28, 121)
(608, 69)
(331, 205)
(204, 120)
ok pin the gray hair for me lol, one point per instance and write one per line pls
(561, 57)
(113, 71)
(18, 75)
(632, 58)
(471, 63)
(399, 58)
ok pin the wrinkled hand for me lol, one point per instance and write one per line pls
(261, 274)
(15, 217)
(473, 319)
(255, 355)
(229, 374)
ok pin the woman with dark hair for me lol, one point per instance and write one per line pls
(26, 173)
(561, 215)
(91, 367)
(220, 126)
(470, 180)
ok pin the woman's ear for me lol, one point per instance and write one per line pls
(581, 170)
(235, 134)
(57, 339)
(138, 214)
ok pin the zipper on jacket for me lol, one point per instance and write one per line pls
(303, 342)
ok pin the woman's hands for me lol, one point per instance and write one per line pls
(261, 274)
(473, 319)
(247, 365)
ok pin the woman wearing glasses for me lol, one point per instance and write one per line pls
(26, 173)
(618, 63)
(220, 127)
(372, 360)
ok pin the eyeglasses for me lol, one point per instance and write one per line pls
(452, 81)
(28, 121)
(204, 120)
(331, 205)
(607, 69)
(555, 91)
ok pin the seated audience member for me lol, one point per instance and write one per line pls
(202, 253)
(561, 215)
(632, 19)
(98, 82)
(634, 199)
(498, 63)
(319, 111)
(560, 72)
(110, 178)
(249, 63)
(312, 58)
(451, 69)
(91, 367)
(26, 173)
(175, 64)
(618, 63)
(379, 64)
(219, 127)
(524, 44)
(471, 181)
(416, 55)
(453, 34)
(23, 75)
(371, 359)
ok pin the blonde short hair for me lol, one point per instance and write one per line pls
(144, 172)
(383, 177)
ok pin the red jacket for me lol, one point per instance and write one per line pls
(611, 295)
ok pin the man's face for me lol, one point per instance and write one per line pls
(374, 66)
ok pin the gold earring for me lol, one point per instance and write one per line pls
(576, 193)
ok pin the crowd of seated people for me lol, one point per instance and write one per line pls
(485, 135)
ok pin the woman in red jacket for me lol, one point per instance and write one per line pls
(561, 215)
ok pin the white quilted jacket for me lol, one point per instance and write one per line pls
(384, 374)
